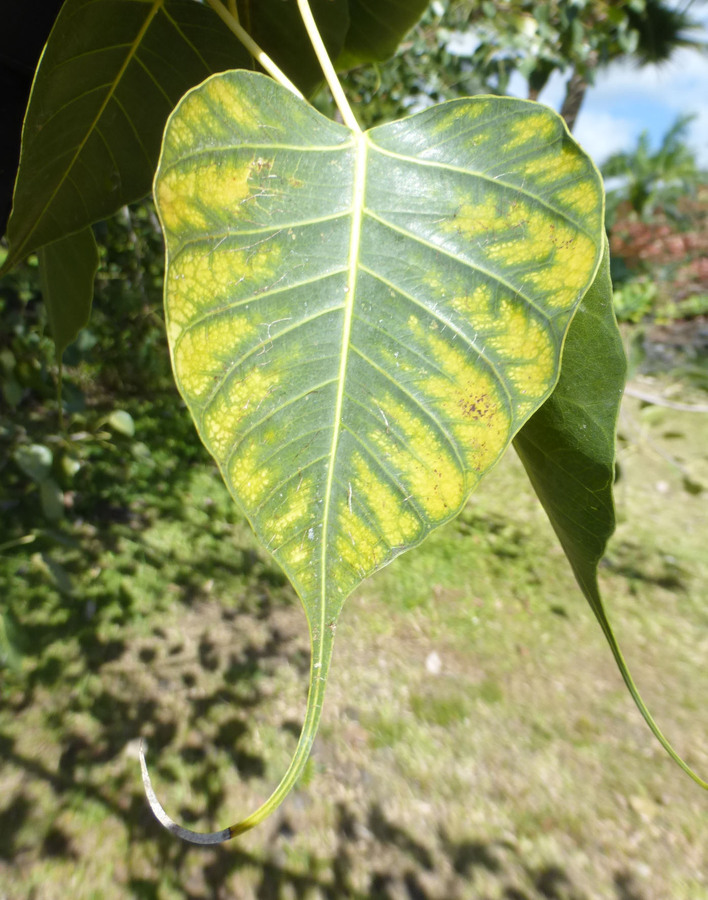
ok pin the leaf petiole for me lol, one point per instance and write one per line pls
(327, 68)
(253, 48)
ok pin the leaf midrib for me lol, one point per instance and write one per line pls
(358, 194)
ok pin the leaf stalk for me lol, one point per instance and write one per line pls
(327, 68)
(253, 48)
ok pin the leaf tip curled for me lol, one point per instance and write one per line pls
(194, 837)
(321, 651)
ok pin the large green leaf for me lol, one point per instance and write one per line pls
(377, 28)
(568, 451)
(360, 324)
(68, 267)
(110, 74)
(276, 25)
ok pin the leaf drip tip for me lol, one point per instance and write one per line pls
(322, 651)
(194, 837)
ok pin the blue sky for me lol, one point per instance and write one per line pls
(626, 100)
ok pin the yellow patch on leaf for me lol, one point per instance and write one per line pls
(295, 512)
(420, 458)
(194, 198)
(198, 350)
(237, 401)
(531, 129)
(249, 476)
(397, 525)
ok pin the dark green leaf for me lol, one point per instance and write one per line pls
(568, 450)
(35, 460)
(276, 26)
(52, 499)
(377, 28)
(109, 76)
(12, 641)
(56, 573)
(568, 446)
(68, 267)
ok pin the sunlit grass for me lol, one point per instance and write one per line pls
(477, 739)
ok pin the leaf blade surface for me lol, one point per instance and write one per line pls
(375, 31)
(276, 26)
(357, 323)
(568, 446)
(385, 283)
(68, 267)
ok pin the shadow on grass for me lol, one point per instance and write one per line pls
(398, 866)
(94, 714)
(86, 697)
(632, 561)
(374, 856)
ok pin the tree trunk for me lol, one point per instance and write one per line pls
(574, 95)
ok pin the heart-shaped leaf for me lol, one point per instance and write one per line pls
(360, 323)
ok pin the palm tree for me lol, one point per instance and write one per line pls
(650, 180)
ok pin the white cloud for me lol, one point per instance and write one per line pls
(601, 134)
(634, 99)
(681, 80)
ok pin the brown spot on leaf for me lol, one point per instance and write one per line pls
(475, 408)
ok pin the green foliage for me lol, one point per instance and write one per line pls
(634, 301)
(278, 29)
(657, 216)
(537, 39)
(87, 153)
(540, 38)
(46, 464)
(68, 267)
(426, 69)
(373, 35)
(661, 30)
(649, 180)
(574, 431)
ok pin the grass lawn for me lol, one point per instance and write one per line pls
(477, 740)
